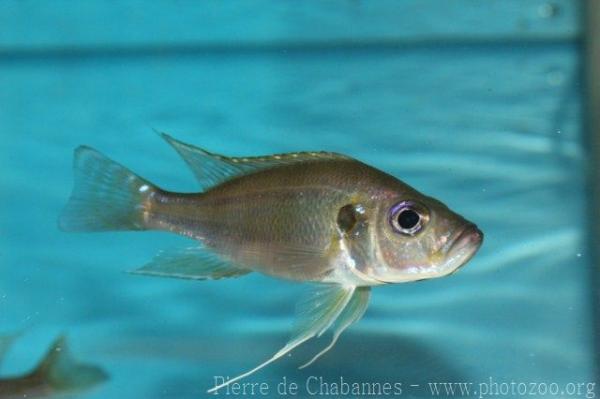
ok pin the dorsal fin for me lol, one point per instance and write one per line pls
(63, 373)
(212, 169)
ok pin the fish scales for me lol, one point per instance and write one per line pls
(290, 206)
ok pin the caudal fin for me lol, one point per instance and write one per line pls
(106, 195)
(61, 372)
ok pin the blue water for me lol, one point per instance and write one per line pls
(479, 107)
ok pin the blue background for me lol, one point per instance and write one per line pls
(476, 103)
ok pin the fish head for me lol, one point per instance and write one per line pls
(418, 237)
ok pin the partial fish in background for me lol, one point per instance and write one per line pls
(314, 217)
(57, 373)
(6, 341)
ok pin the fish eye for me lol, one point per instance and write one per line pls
(408, 217)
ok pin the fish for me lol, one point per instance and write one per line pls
(321, 218)
(58, 373)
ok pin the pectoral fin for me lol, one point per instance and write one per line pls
(315, 314)
(195, 263)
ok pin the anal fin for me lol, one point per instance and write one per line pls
(195, 263)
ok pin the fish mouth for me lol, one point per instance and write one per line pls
(464, 246)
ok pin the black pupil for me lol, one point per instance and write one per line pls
(407, 219)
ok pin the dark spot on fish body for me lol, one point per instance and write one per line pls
(347, 218)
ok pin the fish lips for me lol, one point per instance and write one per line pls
(463, 247)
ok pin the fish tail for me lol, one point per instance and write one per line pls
(106, 196)
(61, 372)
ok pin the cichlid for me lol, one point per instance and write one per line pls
(315, 217)
(57, 373)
